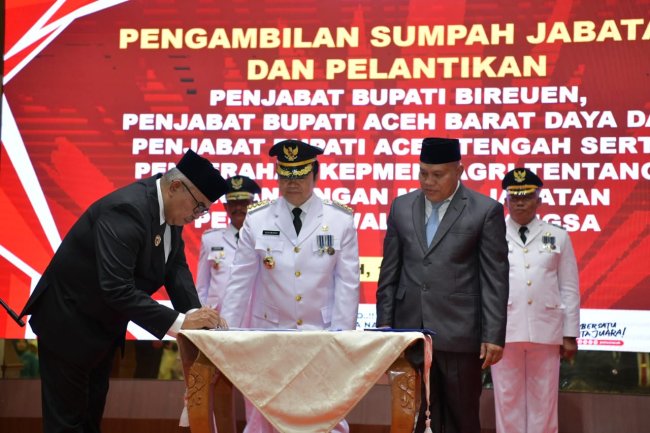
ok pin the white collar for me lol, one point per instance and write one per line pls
(304, 207)
(161, 204)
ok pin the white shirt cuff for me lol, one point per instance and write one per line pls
(178, 323)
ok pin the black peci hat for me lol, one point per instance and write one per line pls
(521, 181)
(203, 175)
(241, 188)
(295, 158)
(440, 150)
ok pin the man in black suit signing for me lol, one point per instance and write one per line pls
(445, 268)
(122, 249)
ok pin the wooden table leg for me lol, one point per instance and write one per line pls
(405, 387)
(209, 398)
(224, 405)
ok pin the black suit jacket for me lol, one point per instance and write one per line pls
(104, 273)
(458, 286)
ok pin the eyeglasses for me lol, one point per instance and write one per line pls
(200, 208)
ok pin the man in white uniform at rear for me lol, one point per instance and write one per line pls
(297, 259)
(543, 312)
(218, 246)
(217, 252)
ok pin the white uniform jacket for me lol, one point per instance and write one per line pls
(217, 253)
(305, 287)
(544, 300)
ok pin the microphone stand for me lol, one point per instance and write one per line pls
(12, 313)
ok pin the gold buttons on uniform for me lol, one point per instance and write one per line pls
(525, 250)
(299, 322)
(529, 282)
(527, 266)
(297, 273)
(298, 298)
(530, 301)
(296, 249)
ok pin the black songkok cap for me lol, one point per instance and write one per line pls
(242, 188)
(521, 181)
(440, 150)
(295, 158)
(203, 175)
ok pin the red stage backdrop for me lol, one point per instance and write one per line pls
(99, 93)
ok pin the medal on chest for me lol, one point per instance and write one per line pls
(268, 261)
(549, 241)
(217, 255)
(325, 242)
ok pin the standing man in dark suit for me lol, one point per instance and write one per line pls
(120, 251)
(445, 268)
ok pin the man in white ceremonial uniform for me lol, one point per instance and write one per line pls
(543, 312)
(218, 245)
(217, 252)
(298, 260)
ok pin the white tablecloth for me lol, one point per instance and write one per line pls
(302, 381)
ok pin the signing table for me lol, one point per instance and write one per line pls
(301, 381)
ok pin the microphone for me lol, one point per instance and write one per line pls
(12, 313)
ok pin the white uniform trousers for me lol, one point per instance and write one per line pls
(526, 382)
(256, 423)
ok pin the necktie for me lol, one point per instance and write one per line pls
(432, 223)
(297, 223)
(237, 237)
(522, 233)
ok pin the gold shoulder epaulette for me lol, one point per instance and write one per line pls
(344, 208)
(259, 205)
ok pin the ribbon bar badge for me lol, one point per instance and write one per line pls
(325, 244)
